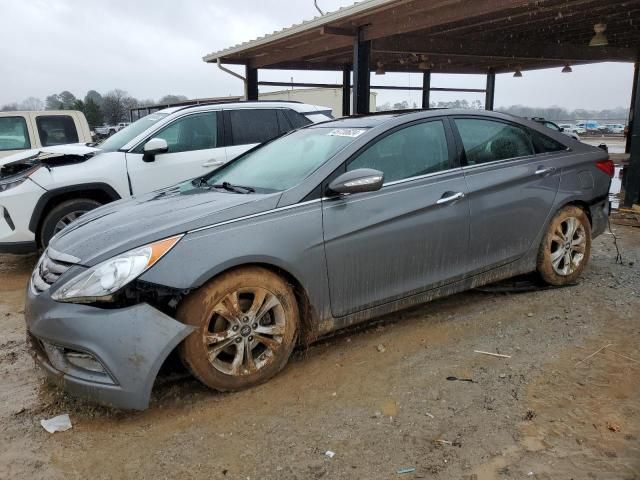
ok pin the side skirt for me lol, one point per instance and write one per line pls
(506, 271)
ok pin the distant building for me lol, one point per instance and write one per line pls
(327, 97)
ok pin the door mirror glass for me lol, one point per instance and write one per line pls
(154, 147)
(357, 181)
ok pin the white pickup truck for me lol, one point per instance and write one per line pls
(21, 131)
(108, 130)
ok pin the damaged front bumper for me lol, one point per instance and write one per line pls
(109, 356)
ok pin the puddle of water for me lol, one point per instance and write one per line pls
(616, 186)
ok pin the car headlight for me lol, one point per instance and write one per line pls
(111, 275)
(15, 180)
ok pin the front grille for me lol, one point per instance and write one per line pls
(51, 265)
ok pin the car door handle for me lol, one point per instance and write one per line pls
(450, 198)
(213, 163)
(545, 171)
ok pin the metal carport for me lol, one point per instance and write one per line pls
(451, 36)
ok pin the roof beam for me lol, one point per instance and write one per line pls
(504, 50)
(542, 13)
(439, 16)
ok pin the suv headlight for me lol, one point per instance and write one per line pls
(111, 275)
(15, 180)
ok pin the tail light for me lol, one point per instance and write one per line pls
(607, 167)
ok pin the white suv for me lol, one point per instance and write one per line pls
(43, 190)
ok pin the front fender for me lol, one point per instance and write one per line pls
(289, 240)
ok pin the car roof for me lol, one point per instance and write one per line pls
(297, 106)
(376, 119)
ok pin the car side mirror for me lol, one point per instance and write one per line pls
(154, 147)
(561, 129)
(357, 181)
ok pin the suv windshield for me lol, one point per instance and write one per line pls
(285, 162)
(120, 139)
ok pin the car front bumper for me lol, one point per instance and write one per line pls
(109, 356)
(16, 207)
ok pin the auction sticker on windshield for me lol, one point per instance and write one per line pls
(346, 132)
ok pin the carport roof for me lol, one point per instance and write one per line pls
(450, 36)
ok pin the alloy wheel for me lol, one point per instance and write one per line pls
(568, 246)
(245, 331)
(67, 219)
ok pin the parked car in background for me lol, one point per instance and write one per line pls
(614, 128)
(325, 227)
(591, 127)
(108, 130)
(568, 127)
(43, 190)
(557, 128)
(22, 131)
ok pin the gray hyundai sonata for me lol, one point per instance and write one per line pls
(323, 228)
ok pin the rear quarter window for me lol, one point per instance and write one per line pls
(297, 119)
(544, 144)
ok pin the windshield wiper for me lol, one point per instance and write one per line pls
(233, 188)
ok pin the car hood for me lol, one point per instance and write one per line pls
(78, 149)
(22, 162)
(126, 224)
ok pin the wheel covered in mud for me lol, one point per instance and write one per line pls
(566, 246)
(247, 323)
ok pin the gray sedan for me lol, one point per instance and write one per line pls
(323, 228)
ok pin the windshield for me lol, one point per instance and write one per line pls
(287, 161)
(120, 139)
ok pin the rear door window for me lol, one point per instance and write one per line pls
(56, 130)
(253, 126)
(488, 140)
(14, 134)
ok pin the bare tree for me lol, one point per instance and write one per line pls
(32, 104)
(169, 99)
(116, 105)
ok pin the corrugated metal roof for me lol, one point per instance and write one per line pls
(316, 22)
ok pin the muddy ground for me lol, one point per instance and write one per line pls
(378, 397)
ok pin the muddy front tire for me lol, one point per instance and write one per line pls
(62, 215)
(247, 324)
(566, 246)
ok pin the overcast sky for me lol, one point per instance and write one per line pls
(154, 47)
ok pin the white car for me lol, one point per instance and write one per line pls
(43, 190)
(615, 128)
(557, 128)
(572, 128)
(107, 130)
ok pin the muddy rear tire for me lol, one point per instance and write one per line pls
(247, 324)
(566, 246)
